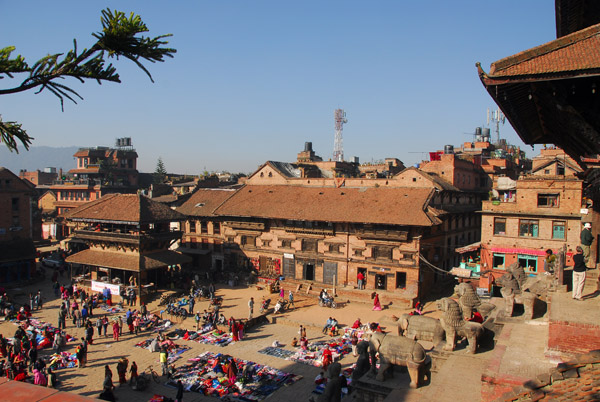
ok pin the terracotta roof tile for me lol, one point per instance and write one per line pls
(576, 52)
(204, 201)
(395, 206)
(124, 208)
(129, 262)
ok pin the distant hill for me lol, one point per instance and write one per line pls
(38, 158)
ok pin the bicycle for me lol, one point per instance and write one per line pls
(144, 379)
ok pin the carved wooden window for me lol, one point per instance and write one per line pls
(309, 245)
(335, 248)
(286, 243)
(382, 253)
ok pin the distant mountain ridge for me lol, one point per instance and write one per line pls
(38, 157)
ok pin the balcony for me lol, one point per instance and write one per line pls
(131, 237)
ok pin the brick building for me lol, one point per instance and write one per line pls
(99, 171)
(38, 177)
(17, 251)
(546, 209)
(128, 237)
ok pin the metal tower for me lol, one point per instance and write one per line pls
(496, 117)
(338, 146)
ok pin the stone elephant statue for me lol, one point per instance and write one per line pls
(454, 324)
(418, 327)
(399, 351)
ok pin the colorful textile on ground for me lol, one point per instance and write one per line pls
(314, 355)
(212, 337)
(346, 373)
(39, 327)
(277, 352)
(110, 309)
(159, 398)
(174, 350)
(254, 382)
(61, 360)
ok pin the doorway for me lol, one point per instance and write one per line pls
(380, 282)
(309, 272)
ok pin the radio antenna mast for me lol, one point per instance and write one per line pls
(338, 147)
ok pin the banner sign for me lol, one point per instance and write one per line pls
(100, 286)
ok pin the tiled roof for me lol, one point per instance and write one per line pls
(395, 206)
(204, 201)
(576, 380)
(575, 53)
(124, 208)
(129, 262)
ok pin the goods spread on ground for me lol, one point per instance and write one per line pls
(209, 374)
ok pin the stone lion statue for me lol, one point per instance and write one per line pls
(518, 288)
(470, 302)
(467, 298)
(454, 324)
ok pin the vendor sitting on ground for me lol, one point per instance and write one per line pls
(278, 306)
(357, 324)
(475, 317)
(327, 325)
(333, 328)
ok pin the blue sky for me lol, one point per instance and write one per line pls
(253, 80)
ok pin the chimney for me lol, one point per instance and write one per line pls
(308, 146)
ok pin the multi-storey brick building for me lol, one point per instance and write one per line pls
(327, 229)
(99, 171)
(17, 252)
(545, 210)
(128, 237)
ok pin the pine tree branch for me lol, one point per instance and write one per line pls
(119, 37)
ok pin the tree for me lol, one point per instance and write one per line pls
(119, 38)
(160, 173)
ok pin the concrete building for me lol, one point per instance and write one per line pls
(17, 251)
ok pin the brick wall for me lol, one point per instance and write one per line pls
(570, 337)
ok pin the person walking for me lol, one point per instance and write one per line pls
(134, 373)
(191, 305)
(354, 342)
(586, 241)
(105, 325)
(115, 331)
(99, 326)
(163, 357)
(376, 302)
(291, 299)
(250, 308)
(179, 396)
(144, 311)
(197, 319)
(62, 318)
(579, 269)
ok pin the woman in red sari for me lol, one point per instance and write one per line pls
(376, 303)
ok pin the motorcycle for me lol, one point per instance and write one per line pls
(328, 302)
(265, 305)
